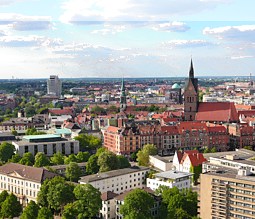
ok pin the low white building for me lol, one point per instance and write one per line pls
(23, 181)
(171, 179)
(117, 181)
(108, 210)
(160, 163)
(48, 144)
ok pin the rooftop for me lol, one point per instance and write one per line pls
(110, 174)
(172, 174)
(26, 172)
(47, 136)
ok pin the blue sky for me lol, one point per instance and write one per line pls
(130, 38)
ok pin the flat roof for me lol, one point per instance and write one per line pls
(32, 137)
(172, 174)
(242, 153)
(22, 143)
(63, 131)
(110, 174)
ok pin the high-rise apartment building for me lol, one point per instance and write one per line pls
(54, 86)
(227, 187)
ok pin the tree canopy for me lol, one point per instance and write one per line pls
(6, 151)
(143, 155)
(73, 172)
(11, 207)
(137, 204)
(88, 142)
(41, 160)
(30, 211)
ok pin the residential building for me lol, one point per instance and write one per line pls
(183, 161)
(48, 144)
(117, 181)
(24, 181)
(161, 163)
(171, 178)
(227, 194)
(54, 86)
(108, 210)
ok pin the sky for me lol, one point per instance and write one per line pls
(126, 38)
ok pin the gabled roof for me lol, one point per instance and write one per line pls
(113, 129)
(195, 157)
(61, 111)
(217, 112)
(27, 172)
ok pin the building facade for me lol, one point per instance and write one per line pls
(117, 181)
(23, 181)
(54, 86)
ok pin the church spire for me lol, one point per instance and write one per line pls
(123, 97)
(191, 70)
(123, 88)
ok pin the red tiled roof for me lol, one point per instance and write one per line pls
(113, 129)
(217, 129)
(170, 129)
(61, 111)
(217, 112)
(246, 112)
(195, 158)
(190, 125)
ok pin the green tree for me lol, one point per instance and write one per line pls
(15, 158)
(107, 161)
(196, 170)
(143, 155)
(11, 207)
(3, 195)
(59, 195)
(82, 157)
(6, 151)
(70, 158)
(73, 172)
(123, 162)
(70, 211)
(45, 213)
(92, 166)
(27, 159)
(31, 211)
(57, 158)
(137, 204)
(14, 132)
(44, 190)
(88, 142)
(41, 160)
(88, 202)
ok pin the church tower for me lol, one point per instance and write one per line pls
(191, 96)
(123, 97)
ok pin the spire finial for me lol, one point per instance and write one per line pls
(191, 70)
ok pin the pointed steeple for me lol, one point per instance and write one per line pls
(191, 70)
(123, 88)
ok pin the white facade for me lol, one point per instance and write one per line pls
(108, 210)
(54, 86)
(23, 181)
(160, 163)
(170, 179)
(117, 181)
(48, 148)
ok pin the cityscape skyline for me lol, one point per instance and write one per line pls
(74, 39)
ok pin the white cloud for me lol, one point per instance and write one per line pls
(241, 33)
(187, 43)
(241, 57)
(9, 2)
(174, 26)
(79, 11)
(110, 29)
(28, 41)
(21, 22)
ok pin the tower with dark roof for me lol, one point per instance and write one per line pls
(191, 96)
(123, 96)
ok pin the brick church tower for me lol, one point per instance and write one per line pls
(191, 96)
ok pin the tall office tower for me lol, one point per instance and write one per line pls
(54, 86)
